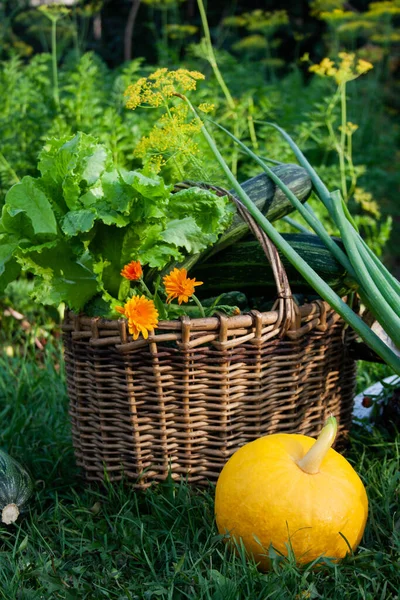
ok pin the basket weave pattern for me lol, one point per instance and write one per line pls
(197, 390)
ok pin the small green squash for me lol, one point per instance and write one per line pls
(15, 488)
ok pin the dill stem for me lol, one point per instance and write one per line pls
(343, 141)
(211, 57)
(218, 75)
(54, 61)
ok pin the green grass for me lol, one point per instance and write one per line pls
(90, 542)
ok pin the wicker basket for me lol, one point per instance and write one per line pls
(196, 390)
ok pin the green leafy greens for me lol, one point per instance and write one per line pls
(76, 225)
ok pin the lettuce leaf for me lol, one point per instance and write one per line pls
(9, 267)
(212, 213)
(60, 277)
(185, 233)
(72, 165)
(76, 225)
(28, 202)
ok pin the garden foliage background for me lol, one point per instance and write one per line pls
(65, 70)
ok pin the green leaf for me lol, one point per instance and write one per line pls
(160, 306)
(138, 240)
(187, 234)
(119, 195)
(27, 248)
(92, 197)
(78, 221)
(212, 213)
(160, 255)
(124, 288)
(9, 267)
(102, 205)
(98, 307)
(58, 158)
(17, 223)
(8, 244)
(149, 187)
(70, 165)
(106, 246)
(151, 196)
(94, 164)
(28, 198)
(61, 277)
(110, 216)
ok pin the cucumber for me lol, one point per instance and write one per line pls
(245, 267)
(272, 202)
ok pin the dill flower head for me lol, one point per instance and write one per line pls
(155, 89)
(349, 128)
(142, 315)
(337, 14)
(319, 6)
(179, 32)
(346, 70)
(172, 136)
(384, 7)
(53, 11)
(178, 285)
(366, 201)
(258, 20)
(251, 42)
(132, 271)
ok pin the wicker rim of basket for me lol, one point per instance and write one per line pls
(221, 331)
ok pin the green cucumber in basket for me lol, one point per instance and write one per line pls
(245, 267)
(272, 202)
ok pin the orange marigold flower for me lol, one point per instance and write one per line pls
(178, 285)
(142, 315)
(132, 271)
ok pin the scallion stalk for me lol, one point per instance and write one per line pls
(382, 310)
(300, 264)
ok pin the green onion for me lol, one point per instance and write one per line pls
(296, 224)
(321, 287)
(387, 318)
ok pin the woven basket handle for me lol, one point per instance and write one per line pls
(285, 303)
(288, 315)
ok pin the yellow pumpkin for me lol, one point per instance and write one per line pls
(291, 491)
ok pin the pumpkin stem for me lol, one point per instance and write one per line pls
(311, 462)
(10, 514)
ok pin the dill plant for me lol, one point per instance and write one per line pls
(170, 146)
(332, 130)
